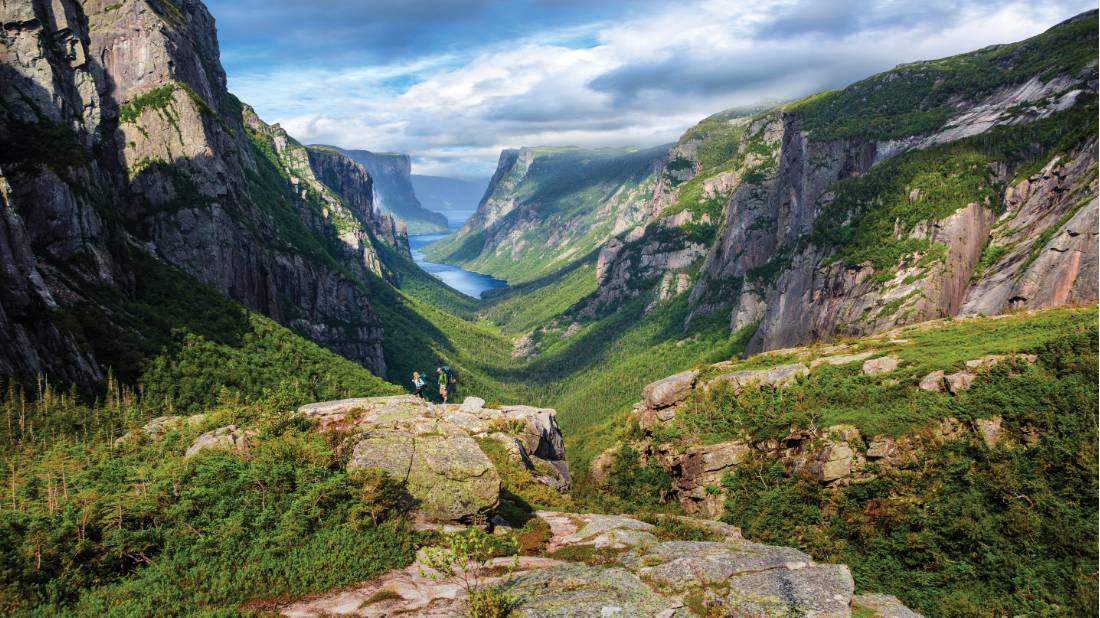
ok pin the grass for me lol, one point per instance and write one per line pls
(859, 223)
(966, 530)
(89, 528)
(917, 98)
(843, 395)
(567, 202)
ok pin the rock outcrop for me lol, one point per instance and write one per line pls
(433, 449)
(770, 263)
(634, 572)
(549, 208)
(834, 456)
(393, 190)
(119, 136)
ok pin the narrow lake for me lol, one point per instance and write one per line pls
(465, 281)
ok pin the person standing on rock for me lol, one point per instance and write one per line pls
(444, 384)
(418, 385)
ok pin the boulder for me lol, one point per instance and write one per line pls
(472, 404)
(959, 381)
(224, 438)
(992, 359)
(881, 447)
(832, 463)
(933, 382)
(445, 471)
(635, 575)
(157, 427)
(772, 376)
(573, 590)
(541, 434)
(669, 391)
(880, 365)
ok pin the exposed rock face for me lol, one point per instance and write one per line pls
(229, 438)
(394, 194)
(352, 182)
(118, 136)
(643, 577)
(769, 269)
(546, 209)
(432, 448)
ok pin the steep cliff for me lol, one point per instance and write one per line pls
(120, 137)
(547, 208)
(960, 185)
(393, 190)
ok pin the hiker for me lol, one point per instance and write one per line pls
(452, 381)
(444, 383)
(418, 385)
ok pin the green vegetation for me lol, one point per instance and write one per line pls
(928, 185)
(185, 345)
(30, 146)
(519, 485)
(468, 556)
(916, 98)
(134, 529)
(567, 203)
(966, 530)
(836, 395)
(523, 308)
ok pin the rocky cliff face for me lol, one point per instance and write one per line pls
(547, 208)
(393, 191)
(119, 136)
(824, 217)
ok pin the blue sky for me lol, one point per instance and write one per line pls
(452, 82)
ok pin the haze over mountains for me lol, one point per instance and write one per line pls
(860, 324)
(456, 198)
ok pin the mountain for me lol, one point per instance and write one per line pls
(456, 198)
(956, 186)
(124, 155)
(546, 208)
(393, 189)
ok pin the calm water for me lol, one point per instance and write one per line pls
(465, 281)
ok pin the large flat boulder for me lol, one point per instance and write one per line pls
(771, 376)
(445, 471)
(669, 391)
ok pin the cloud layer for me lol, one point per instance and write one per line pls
(452, 82)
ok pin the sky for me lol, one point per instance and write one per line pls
(453, 82)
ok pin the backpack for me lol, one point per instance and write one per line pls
(450, 375)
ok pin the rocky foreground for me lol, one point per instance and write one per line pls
(619, 566)
(578, 564)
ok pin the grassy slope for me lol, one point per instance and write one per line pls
(964, 530)
(959, 530)
(917, 97)
(562, 189)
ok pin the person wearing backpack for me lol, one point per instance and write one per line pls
(418, 384)
(452, 381)
(444, 383)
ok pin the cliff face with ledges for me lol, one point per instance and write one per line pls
(848, 213)
(393, 190)
(120, 136)
(547, 208)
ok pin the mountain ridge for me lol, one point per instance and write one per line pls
(394, 190)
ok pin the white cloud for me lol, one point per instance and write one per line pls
(644, 81)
